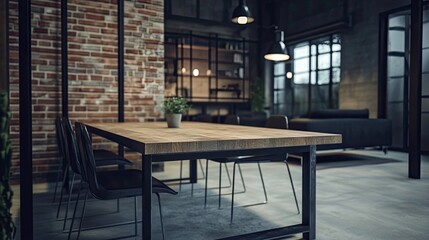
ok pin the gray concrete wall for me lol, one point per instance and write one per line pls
(359, 55)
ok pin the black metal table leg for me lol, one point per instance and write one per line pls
(147, 198)
(309, 192)
(193, 170)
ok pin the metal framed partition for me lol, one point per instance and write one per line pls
(25, 100)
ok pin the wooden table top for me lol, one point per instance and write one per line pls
(156, 138)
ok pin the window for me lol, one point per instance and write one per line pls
(310, 79)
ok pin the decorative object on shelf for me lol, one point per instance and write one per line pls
(241, 14)
(7, 227)
(277, 50)
(174, 107)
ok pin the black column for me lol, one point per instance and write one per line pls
(414, 146)
(25, 118)
(121, 61)
(121, 112)
(64, 59)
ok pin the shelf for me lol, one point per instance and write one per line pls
(230, 78)
(217, 101)
(188, 59)
(205, 76)
(232, 63)
(187, 75)
(205, 60)
(216, 90)
(206, 48)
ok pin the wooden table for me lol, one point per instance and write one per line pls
(195, 140)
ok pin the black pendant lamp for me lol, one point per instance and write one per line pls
(278, 50)
(241, 14)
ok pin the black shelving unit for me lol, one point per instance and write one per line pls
(221, 64)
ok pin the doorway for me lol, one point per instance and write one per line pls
(396, 76)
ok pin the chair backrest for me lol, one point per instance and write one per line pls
(277, 121)
(72, 155)
(204, 118)
(89, 170)
(232, 120)
(60, 139)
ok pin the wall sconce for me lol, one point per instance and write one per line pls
(278, 50)
(196, 72)
(241, 14)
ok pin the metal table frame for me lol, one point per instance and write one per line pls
(308, 153)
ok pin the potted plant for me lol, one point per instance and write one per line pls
(7, 228)
(258, 95)
(174, 107)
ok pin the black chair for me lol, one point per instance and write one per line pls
(279, 122)
(108, 185)
(61, 159)
(103, 158)
(232, 120)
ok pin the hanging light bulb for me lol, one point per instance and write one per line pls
(241, 14)
(196, 72)
(278, 50)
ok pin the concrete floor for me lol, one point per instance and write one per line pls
(360, 195)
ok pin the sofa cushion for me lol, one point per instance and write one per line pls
(340, 113)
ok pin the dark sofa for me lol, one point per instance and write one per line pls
(355, 126)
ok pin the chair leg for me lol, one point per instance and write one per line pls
(135, 216)
(242, 178)
(61, 195)
(83, 214)
(227, 174)
(263, 183)
(220, 184)
(233, 190)
(160, 215)
(74, 212)
(56, 184)
(205, 189)
(293, 187)
(69, 200)
(201, 168)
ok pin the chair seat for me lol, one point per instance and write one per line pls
(104, 157)
(127, 183)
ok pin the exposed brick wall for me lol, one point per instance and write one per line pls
(92, 29)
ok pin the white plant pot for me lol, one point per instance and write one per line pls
(173, 119)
